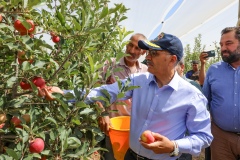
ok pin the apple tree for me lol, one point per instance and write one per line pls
(54, 43)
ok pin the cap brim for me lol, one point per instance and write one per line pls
(146, 45)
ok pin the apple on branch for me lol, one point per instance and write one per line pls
(55, 39)
(20, 27)
(36, 145)
(39, 82)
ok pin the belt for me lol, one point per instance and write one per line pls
(136, 156)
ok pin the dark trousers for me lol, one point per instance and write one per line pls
(185, 156)
(207, 153)
(130, 156)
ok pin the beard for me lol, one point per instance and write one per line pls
(233, 56)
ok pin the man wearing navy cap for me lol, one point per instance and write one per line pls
(194, 73)
(165, 104)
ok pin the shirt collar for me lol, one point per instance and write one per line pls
(122, 63)
(173, 83)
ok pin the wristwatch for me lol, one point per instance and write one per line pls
(175, 152)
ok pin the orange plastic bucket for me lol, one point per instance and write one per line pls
(119, 136)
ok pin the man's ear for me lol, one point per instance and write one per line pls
(174, 59)
(143, 51)
(182, 67)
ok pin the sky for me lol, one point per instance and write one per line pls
(184, 18)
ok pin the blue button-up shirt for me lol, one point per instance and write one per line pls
(222, 89)
(169, 111)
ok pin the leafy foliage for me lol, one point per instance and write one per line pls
(89, 35)
(193, 54)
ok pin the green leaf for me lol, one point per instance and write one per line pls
(106, 94)
(11, 81)
(77, 26)
(62, 111)
(86, 111)
(12, 153)
(46, 152)
(81, 104)
(97, 30)
(51, 120)
(128, 88)
(25, 66)
(61, 18)
(30, 157)
(120, 95)
(26, 24)
(34, 3)
(73, 142)
(104, 13)
(91, 63)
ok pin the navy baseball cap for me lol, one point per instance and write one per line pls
(164, 41)
(195, 62)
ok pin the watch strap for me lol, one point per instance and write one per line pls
(175, 152)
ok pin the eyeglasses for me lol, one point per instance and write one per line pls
(153, 53)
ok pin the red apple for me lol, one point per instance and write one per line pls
(25, 85)
(19, 27)
(1, 18)
(55, 39)
(147, 137)
(26, 117)
(36, 145)
(2, 125)
(19, 126)
(20, 55)
(43, 158)
(52, 34)
(39, 82)
(15, 121)
(20, 61)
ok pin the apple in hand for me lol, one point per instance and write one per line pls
(36, 145)
(39, 82)
(147, 137)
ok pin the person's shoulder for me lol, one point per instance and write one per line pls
(189, 85)
(190, 71)
(197, 85)
(218, 66)
(142, 76)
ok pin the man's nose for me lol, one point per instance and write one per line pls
(148, 56)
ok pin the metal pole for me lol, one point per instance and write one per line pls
(238, 9)
(238, 22)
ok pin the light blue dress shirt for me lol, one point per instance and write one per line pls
(169, 111)
(222, 89)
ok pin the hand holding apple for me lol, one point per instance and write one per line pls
(147, 137)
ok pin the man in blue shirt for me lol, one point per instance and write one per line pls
(164, 103)
(222, 89)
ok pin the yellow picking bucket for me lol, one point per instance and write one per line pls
(119, 136)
